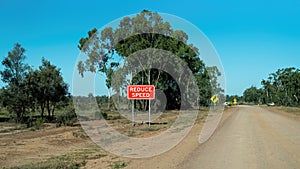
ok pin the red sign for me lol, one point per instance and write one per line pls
(141, 92)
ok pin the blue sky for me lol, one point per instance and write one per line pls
(253, 38)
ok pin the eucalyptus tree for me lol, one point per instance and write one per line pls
(283, 87)
(109, 52)
(47, 87)
(14, 94)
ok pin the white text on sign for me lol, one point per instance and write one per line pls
(141, 92)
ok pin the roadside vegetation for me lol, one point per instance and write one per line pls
(35, 101)
(281, 88)
(34, 96)
(38, 98)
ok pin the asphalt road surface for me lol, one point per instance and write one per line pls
(251, 138)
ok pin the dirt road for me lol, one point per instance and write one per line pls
(251, 138)
(248, 137)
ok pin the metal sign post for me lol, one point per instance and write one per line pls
(149, 114)
(141, 92)
(235, 101)
(132, 112)
(214, 99)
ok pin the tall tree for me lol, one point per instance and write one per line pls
(14, 94)
(282, 87)
(146, 30)
(47, 87)
(252, 94)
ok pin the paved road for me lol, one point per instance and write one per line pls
(251, 138)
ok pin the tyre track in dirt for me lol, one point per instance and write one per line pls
(253, 138)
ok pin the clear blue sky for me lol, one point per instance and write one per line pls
(253, 38)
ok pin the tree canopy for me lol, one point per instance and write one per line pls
(108, 49)
(27, 90)
(47, 86)
(252, 94)
(14, 95)
(281, 87)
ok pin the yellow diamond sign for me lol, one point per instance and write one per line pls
(234, 101)
(214, 98)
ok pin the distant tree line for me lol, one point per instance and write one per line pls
(230, 98)
(281, 87)
(28, 90)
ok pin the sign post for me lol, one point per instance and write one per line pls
(149, 115)
(235, 101)
(214, 99)
(132, 112)
(141, 92)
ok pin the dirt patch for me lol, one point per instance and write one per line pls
(34, 146)
(70, 144)
(250, 138)
(179, 153)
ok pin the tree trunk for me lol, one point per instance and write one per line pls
(53, 108)
(108, 104)
(48, 108)
(42, 105)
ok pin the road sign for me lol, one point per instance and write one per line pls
(234, 101)
(140, 92)
(214, 98)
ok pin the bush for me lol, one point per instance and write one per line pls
(53, 163)
(119, 165)
(66, 118)
(80, 134)
(100, 115)
(39, 123)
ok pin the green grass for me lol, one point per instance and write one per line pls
(80, 134)
(4, 113)
(153, 127)
(54, 163)
(201, 117)
(169, 117)
(119, 164)
(74, 160)
(292, 110)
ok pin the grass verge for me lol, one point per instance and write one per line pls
(292, 110)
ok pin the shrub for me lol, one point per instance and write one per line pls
(39, 123)
(100, 115)
(66, 118)
(119, 165)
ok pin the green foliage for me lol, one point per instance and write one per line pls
(80, 134)
(231, 98)
(28, 90)
(54, 163)
(109, 117)
(47, 87)
(118, 165)
(134, 34)
(39, 124)
(15, 95)
(282, 87)
(66, 117)
(102, 99)
(153, 128)
(131, 132)
(100, 115)
(252, 94)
